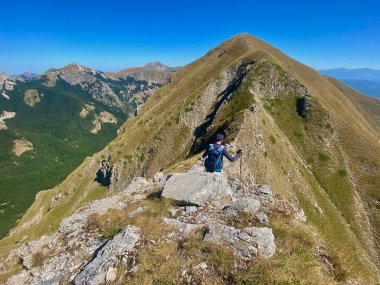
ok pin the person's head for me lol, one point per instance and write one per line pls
(219, 138)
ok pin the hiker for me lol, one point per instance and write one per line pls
(215, 153)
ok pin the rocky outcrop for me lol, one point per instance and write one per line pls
(32, 97)
(87, 108)
(61, 256)
(103, 118)
(21, 145)
(80, 255)
(247, 243)
(102, 268)
(196, 187)
(7, 83)
(4, 116)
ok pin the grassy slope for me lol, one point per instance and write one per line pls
(369, 106)
(159, 137)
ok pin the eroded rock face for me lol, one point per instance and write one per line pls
(32, 97)
(59, 257)
(102, 267)
(20, 146)
(4, 116)
(103, 118)
(7, 83)
(193, 188)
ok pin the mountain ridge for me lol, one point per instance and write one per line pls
(300, 133)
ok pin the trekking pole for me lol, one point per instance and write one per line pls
(241, 162)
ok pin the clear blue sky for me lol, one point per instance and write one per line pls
(114, 34)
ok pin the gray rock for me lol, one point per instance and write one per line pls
(264, 191)
(159, 176)
(264, 239)
(184, 228)
(191, 209)
(173, 212)
(95, 272)
(111, 274)
(262, 217)
(133, 213)
(246, 204)
(137, 186)
(300, 216)
(196, 189)
(247, 243)
(202, 266)
(224, 235)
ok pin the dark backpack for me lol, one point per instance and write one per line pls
(214, 160)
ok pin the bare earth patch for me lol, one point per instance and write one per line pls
(21, 146)
(103, 118)
(5, 115)
(86, 110)
(32, 97)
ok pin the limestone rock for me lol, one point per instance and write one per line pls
(242, 245)
(264, 239)
(247, 204)
(134, 213)
(246, 243)
(196, 189)
(96, 271)
(184, 228)
(159, 176)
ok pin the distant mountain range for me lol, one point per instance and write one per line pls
(365, 80)
(50, 122)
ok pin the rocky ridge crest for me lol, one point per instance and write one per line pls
(82, 256)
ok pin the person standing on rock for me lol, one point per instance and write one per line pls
(215, 153)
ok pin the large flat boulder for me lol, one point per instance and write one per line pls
(196, 188)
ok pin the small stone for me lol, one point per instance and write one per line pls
(191, 209)
(262, 217)
(300, 216)
(264, 191)
(111, 274)
(201, 265)
(173, 212)
(133, 213)
(159, 176)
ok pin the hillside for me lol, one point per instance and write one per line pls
(301, 135)
(49, 123)
(365, 80)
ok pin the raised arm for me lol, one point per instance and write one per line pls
(229, 156)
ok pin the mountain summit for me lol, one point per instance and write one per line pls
(303, 136)
(152, 72)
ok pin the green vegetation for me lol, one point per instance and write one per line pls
(272, 139)
(60, 137)
(342, 172)
(323, 157)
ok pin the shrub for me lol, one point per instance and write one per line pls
(342, 173)
(323, 157)
(309, 160)
(272, 139)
